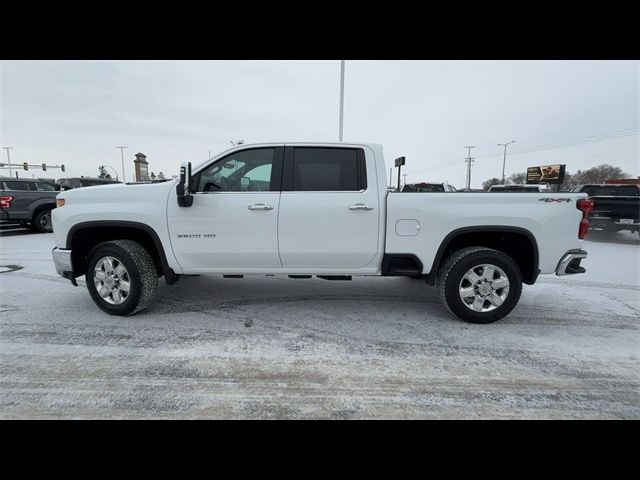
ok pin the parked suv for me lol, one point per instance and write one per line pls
(27, 202)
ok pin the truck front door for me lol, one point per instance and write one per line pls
(233, 221)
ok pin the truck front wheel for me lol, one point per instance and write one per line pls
(121, 277)
(480, 285)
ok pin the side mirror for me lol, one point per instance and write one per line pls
(183, 190)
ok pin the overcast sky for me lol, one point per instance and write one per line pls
(77, 112)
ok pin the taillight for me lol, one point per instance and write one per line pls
(585, 205)
(5, 202)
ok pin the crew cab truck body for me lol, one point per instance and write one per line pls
(304, 209)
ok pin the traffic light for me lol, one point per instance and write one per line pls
(25, 165)
(44, 167)
(62, 167)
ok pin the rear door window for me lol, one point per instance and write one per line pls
(328, 169)
(17, 186)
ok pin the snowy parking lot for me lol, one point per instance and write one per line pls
(274, 347)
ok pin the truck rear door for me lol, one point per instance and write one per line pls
(329, 213)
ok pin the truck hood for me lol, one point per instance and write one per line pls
(118, 192)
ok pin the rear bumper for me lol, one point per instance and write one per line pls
(570, 263)
(612, 223)
(62, 261)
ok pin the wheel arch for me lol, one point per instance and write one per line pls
(517, 242)
(41, 205)
(83, 237)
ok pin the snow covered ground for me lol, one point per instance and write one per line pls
(270, 347)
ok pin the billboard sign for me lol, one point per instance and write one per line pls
(550, 174)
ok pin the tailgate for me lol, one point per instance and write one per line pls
(616, 207)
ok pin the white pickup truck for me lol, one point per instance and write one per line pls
(323, 209)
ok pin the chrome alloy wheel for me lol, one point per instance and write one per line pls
(111, 280)
(484, 288)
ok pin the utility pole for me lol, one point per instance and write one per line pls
(341, 99)
(504, 160)
(469, 161)
(122, 156)
(9, 159)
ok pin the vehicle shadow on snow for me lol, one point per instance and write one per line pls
(620, 238)
(14, 230)
(387, 297)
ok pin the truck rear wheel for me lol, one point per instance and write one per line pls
(121, 277)
(480, 285)
(42, 221)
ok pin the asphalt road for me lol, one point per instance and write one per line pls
(271, 347)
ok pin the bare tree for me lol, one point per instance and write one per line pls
(492, 181)
(102, 172)
(519, 178)
(595, 175)
(160, 176)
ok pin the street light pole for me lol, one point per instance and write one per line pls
(341, 99)
(8, 159)
(504, 160)
(122, 157)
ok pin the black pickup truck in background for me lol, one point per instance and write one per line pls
(616, 207)
(26, 201)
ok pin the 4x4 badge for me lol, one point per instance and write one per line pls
(549, 200)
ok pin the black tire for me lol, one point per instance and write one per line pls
(141, 273)
(42, 221)
(458, 264)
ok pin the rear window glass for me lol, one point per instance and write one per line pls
(326, 169)
(45, 187)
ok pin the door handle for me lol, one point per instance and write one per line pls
(360, 206)
(260, 206)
